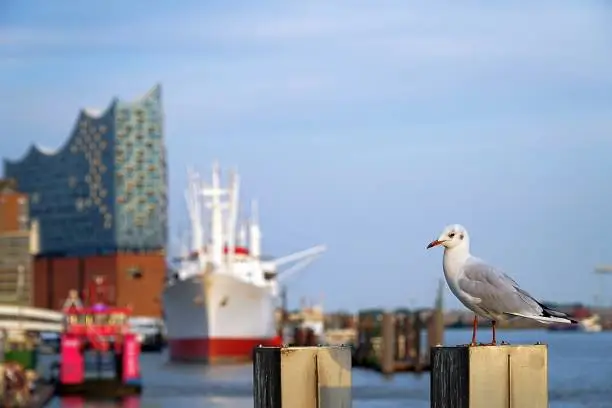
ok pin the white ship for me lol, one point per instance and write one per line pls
(220, 303)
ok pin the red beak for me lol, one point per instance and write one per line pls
(433, 244)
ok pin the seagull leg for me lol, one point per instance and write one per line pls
(494, 341)
(474, 330)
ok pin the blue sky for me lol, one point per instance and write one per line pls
(364, 125)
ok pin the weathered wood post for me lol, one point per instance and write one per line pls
(399, 329)
(418, 344)
(302, 377)
(489, 377)
(387, 355)
(435, 329)
(409, 337)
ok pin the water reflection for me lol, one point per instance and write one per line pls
(78, 402)
(187, 386)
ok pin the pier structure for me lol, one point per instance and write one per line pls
(390, 342)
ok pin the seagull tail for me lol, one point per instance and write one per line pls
(549, 316)
(550, 313)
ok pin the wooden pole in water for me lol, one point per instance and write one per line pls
(302, 377)
(417, 327)
(387, 355)
(489, 377)
(436, 333)
(409, 337)
(398, 346)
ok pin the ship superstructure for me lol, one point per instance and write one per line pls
(221, 300)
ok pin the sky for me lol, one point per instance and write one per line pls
(367, 126)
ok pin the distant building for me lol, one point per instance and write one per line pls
(15, 246)
(100, 205)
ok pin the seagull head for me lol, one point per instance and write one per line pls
(452, 236)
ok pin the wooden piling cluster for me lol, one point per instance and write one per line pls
(392, 342)
(461, 377)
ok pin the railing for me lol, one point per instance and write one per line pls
(30, 326)
(30, 319)
(27, 312)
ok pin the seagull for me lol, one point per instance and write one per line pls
(485, 289)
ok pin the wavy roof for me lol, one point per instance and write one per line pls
(86, 113)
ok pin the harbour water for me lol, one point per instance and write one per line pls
(580, 376)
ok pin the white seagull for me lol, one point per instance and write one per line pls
(486, 290)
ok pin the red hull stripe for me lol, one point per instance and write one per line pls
(217, 349)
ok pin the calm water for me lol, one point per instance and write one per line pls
(580, 375)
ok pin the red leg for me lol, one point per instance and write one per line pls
(474, 330)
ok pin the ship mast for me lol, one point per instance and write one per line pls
(216, 218)
(232, 217)
(242, 235)
(254, 232)
(195, 212)
(233, 211)
(206, 203)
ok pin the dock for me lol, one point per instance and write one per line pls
(391, 342)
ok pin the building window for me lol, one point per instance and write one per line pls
(22, 217)
(24, 225)
(134, 272)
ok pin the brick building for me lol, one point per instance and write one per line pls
(15, 246)
(99, 205)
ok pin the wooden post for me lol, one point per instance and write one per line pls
(409, 338)
(400, 351)
(387, 355)
(435, 332)
(435, 328)
(302, 377)
(417, 327)
(489, 377)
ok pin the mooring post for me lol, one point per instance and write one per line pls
(418, 344)
(302, 377)
(435, 328)
(399, 346)
(387, 344)
(489, 377)
(409, 338)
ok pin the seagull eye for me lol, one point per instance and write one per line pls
(451, 235)
(461, 236)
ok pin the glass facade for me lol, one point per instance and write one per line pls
(104, 191)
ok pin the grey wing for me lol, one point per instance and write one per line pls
(498, 293)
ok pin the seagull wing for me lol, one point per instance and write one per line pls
(498, 293)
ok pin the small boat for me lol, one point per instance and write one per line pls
(591, 324)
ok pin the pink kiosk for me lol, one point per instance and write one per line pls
(94, 335)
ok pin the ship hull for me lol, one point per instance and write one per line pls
(217, 319)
